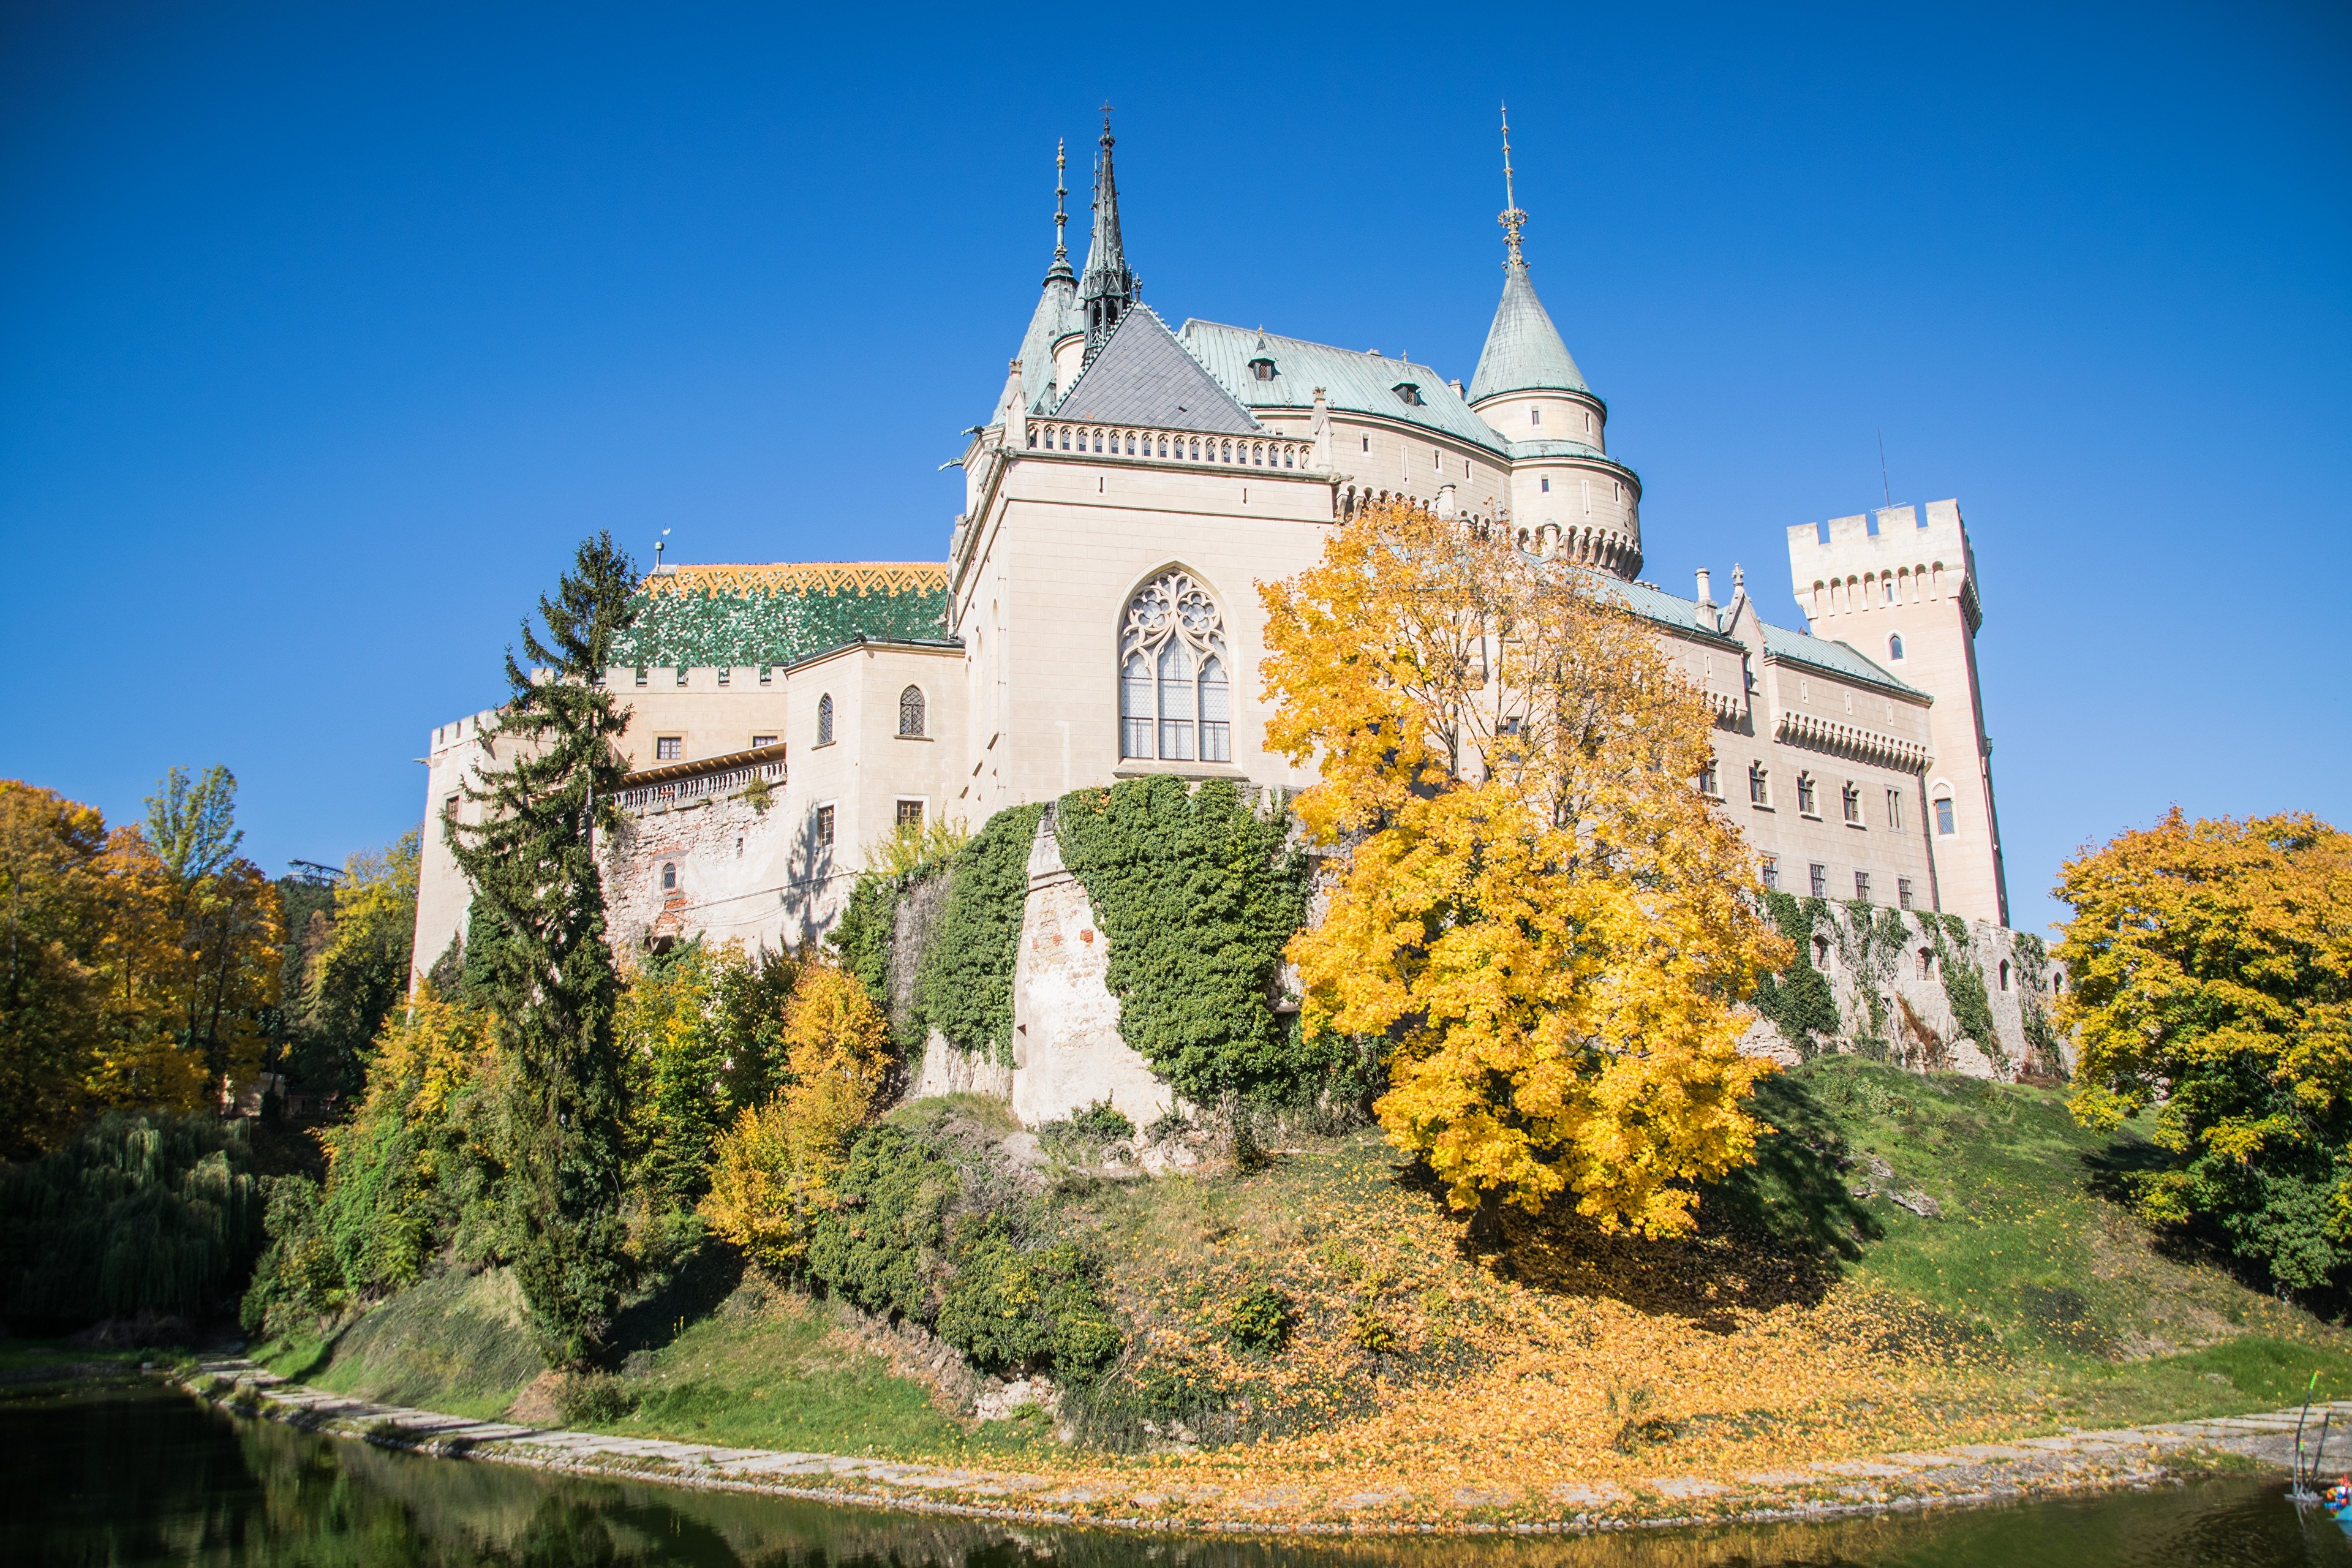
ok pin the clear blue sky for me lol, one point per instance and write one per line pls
(325, 331)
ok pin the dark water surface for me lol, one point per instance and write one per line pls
(135, 1475)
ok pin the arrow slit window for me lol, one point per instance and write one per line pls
(1175, 700)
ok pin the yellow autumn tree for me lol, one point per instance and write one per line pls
(773, 1173)
(1536, 909)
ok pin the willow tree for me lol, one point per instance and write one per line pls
(1548, 925)
(530, 859)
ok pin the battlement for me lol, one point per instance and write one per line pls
(458, 732)
(1897, 555)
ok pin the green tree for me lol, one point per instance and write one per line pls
(2211, 969)
(532, 861)
(362, 973)
(227, 917)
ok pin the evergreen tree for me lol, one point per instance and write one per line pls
(531, 862)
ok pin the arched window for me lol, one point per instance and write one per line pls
(2004, 974)
(825, 719)
(910, 710)
(1894, 645)
(1175, 700)
(669, 877)
(1927, 964)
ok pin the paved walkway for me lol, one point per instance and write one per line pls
(1962, 1474)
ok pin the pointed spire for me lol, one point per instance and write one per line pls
(1056, 315)
(1513, 219)
(1108, 288)
(1524, 351)
(1060, 272)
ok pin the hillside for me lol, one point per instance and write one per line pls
(1314, 1307)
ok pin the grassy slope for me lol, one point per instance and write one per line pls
(1804, 1321)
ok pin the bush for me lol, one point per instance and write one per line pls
(880, 1246)
(1014, 1310)
(297, 1276)
(1259, 1321)
(159, 1215)
(595, 1399)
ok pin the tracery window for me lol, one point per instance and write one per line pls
(825, 719)
(910, 710)
(1175, 702)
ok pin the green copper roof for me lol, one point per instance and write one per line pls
(1056, 315)
(700, 616)
(1524, 352)
(1352, 382)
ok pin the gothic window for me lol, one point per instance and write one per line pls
(825, 719)
(1945, 826)
(1853, 803)
(1706, 784)
(1759, 784)
(910, 710)
(1894, 645)
(1805, 796)
(1175, 701)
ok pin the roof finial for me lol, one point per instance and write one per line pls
(1513, 219)
(1061, 198)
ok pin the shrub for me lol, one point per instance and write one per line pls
(1009, 1309)
(1259, 1321)
(297, 1276)
(595, 1399)
(880, 1245)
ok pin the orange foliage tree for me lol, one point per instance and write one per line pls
(1536, 909)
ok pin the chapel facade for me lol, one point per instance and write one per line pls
(1097, 618)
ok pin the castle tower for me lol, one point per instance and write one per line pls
(1108, 288)
(1901, 587)
(1529, 388)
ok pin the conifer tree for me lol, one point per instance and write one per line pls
(531, 863)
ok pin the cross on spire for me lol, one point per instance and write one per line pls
(1513, 219)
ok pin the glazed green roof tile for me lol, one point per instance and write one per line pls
(702, 616)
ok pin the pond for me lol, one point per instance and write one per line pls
(137, 1474)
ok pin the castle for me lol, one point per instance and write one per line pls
(1096, 619)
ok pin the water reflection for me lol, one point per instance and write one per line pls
(140, 1475)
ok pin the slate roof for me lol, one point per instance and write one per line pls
(1357, 382)
(1524, 351)
(1144, 376)
(700, 616)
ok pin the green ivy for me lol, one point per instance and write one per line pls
(964, 989)
(1198, 896)
(863, 935)
(1963, 986)
(1798, 1000)
(2046, 1057)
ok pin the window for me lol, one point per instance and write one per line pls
(1367, 443)
(1894, 813)
(1407, 393)
(1851, 800)
(668, 748)
(824, 828)
(759, 741)
(1821, 952)
(910, 710)
(1805, 795)
(1894, 645)
(1927, 964)
(825, 719)
(681, 675)
(1175, 701)
(910, 814)
(1706, 780)
(1820, 881)
(1760, 785)
(1944, 815)
(1545, 482)
(2004, 974)
(1903, 892)
(669, 877)
(1771, 874)
(1262, 368)
(1886, 589)
(449, 807)
(1862, 887)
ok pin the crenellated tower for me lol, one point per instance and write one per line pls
(1900, 586)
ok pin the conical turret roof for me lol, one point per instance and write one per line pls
(1524, 351)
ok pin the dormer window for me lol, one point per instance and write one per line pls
(1408, 393)
(1262, 368)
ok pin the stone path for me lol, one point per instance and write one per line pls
(1961, 1474)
